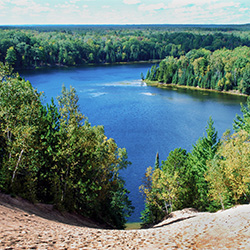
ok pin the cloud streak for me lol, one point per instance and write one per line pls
(152, 7)
(131, 1)
(124, 11)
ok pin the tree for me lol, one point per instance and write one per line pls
(164, 187)
(173, 179)
(157, 163)
(204, 150)
(88, 165)
(11, 56)
(229, 171)
(153, 211)
(243, 123)
(52, 154)
(48, 134)
(19, 114)
(218, 190)
(245, 86)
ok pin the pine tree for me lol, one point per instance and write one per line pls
(204, 150)
(243, 123)
(157, 163)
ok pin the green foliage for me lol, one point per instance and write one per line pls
(229, 172)
(222, 70)
(243, 123)
(11, 56)
(180, 181)
(52, 154)
(245, 82)
(37, 46)
(204, 150)
(19, 115)
(164, 187)
(157, 163)
(153, 211)
(214, 175)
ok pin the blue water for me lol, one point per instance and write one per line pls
(145, 120)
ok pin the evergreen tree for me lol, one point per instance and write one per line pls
(54, 155)
(243, 123)
(204, 150)
(157, 163)
(245, 86)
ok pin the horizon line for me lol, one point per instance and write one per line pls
(123, 24)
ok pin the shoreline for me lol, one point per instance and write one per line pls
(49, 66)
(172, 86)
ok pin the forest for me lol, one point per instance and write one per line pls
(51, 154)
(214, 175)
(222, 70)
(40, 46)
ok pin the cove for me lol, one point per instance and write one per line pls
(143, 119)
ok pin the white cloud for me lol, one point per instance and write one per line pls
(223, 5)
(117, 11)
(37, 8)
(216, 13)
(2, 6)
(131, 1)
(200, 12)
(106, 7)
(21, 2)
(69, 7)
(16, 10)
(29, 8)
(244, 9)
(189, 3)
(74, 1)
(152, 7)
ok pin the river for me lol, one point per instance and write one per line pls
(143, 119)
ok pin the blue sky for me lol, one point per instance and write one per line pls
(124, 12)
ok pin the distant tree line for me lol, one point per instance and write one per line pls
(214, 175)
(222, 69)
(51, 153)
(26, 48)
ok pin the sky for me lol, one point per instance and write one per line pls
(14, 12)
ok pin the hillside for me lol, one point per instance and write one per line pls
(27, 226)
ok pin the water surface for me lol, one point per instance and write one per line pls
(145, 120)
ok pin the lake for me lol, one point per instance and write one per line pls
(143, 119)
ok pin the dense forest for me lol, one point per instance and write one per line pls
(221, 70)
(51, 153)
(36, 46)
(214, 175)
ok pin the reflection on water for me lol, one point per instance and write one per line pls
(148, 94)
(96, 94)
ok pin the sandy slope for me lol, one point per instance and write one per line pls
(22, 228)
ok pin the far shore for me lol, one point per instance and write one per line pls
(175, 86)
(57, 65)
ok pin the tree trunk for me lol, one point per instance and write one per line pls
(17, 164)
(221, 202)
